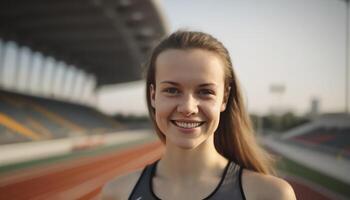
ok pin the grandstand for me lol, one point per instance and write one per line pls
(56, 55)
(26, 118)
(329, 133)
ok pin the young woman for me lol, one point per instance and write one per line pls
(196, 105)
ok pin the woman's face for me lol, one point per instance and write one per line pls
(189, 96)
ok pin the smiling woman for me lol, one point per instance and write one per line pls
(196, 106)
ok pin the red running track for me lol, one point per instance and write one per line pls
(83, 178)
(303, 191)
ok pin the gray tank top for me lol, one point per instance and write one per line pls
(229, 187)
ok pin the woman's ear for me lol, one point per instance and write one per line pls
(223, 107)
(152, 93)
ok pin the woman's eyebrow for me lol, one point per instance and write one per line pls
(208, 84)
(201, 85)
(170, 82)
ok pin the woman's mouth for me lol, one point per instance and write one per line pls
(188, 125)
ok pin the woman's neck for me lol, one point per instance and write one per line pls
(177, 163)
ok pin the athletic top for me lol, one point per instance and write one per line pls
(229, 187)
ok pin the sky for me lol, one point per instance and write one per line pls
(298, 44)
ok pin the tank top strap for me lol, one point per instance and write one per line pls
(231, 185)
(240, 174)
(142, 190)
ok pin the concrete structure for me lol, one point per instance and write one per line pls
(107, 38)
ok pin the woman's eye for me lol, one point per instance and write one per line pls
(171, 90)
(206, 92)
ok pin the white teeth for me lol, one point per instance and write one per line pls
(187, 125)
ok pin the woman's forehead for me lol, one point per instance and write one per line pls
(195, 64)
(184, 56)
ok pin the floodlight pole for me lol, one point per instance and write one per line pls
(347, 31)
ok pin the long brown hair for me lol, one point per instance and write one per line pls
(234, 138)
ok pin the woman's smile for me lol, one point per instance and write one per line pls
(187, 124)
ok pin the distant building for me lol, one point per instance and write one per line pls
(314, 108)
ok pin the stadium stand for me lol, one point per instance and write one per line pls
(67, 50)
(26, 118)
(330, 133)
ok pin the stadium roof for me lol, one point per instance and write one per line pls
(109, 38)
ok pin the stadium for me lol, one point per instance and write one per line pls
(56, 144)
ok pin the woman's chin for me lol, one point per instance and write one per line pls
(185, 145)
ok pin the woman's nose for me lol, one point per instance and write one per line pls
(188, 106)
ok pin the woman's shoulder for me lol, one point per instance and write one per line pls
(260, 186)
(121, 186)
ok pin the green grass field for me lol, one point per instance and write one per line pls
(294, 168)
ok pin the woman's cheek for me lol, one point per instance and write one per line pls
(164, 109)
(212, 107)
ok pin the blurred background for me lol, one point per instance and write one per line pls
(72, 99)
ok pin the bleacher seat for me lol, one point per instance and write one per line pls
(26, 118)
(334, 140)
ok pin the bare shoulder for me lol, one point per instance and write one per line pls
(120, 187)
(260, 186)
